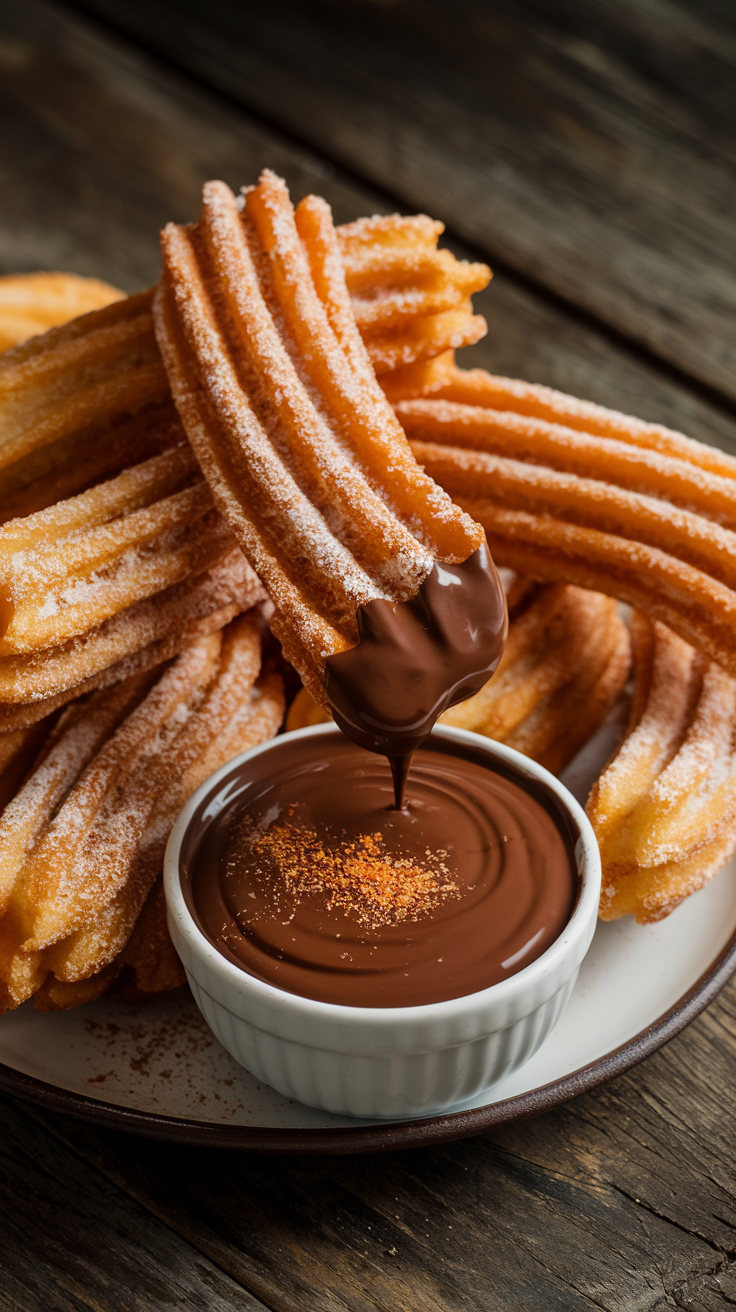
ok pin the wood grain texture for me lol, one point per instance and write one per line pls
(69, 1241)
(624, 1200)
(103, 145)
(587, 144)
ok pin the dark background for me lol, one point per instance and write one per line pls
(585, 148)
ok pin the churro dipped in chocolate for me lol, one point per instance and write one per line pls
(385, 598)
(565, 663)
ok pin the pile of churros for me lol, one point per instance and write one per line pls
(275, 435)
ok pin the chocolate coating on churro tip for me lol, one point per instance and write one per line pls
(416, 658)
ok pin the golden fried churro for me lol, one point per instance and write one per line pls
(566, 661)
(423, 339)
(83, 401)
(69, 568)
(31, 303)
(137, 638)
(113, 544)
(410, 300)
(279, 400)
(182, 769)
(476, 387)
(696, 606)
(566, 450)
(552, 525)
(664, 809)
(83, 841)
(395, 273)
(556, 731)
(92, 394)
(585, 501)
(80, 731)
(146, 952)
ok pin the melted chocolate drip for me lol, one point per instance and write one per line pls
(415, 659)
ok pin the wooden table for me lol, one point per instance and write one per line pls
(586, 149)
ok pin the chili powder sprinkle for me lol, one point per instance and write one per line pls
(360, 877)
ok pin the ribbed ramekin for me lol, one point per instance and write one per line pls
(385, 1061)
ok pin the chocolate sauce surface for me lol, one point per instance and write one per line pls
(308, 877)
(414, 659)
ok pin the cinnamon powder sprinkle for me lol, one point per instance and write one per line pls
(358, 877)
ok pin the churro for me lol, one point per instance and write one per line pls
(31, 303)
(664, 809)
(81, 403)
(143, 635)
(411, 301)
(82, 842)
(66, 570)
(562, 526)
(304, 457)
(84, 400)
(671, 478)
(478, 388)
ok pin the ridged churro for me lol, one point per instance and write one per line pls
(411, 301)
(443, 380)
(31, 303)
(85, 400)
(664, 809)
(82, 842)
(561, 525)
(141, 636)
(279, 400)
(671, 478)
(81, 403)
(65, 570)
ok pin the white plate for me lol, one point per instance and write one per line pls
(156, 1068)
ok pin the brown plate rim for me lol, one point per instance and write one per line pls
(396, 1134)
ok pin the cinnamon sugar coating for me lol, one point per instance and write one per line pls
(664, 809)
(650, 528)
(137, 638)
(279, 400)
(82, 842)
(67, 569)
(30, 303)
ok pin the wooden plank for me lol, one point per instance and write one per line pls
(102, 146)
(624, 1199)
(72, 1241)
(588, 145)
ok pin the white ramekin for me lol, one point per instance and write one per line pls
(385, 1061)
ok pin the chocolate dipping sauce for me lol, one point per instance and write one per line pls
(310, 879)
(414, 659)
